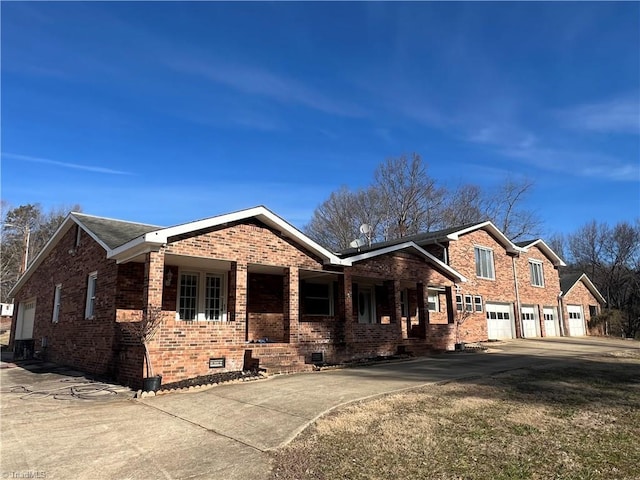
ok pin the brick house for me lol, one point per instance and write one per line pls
(512, 289)
(236, 290)
(580, 301)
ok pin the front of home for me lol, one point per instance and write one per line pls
(247, 289)
(237, 290)
(580, 303)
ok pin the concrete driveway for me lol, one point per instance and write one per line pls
(224, 432)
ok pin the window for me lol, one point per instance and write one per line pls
(477, 303)
(317, 299)
(468, 303)
(90, 307)
(548, 314)
(484, 263)
(201, 296)
(459, 304)
(434, 303)
(537, 278)
(575, 315)
(56, 303)
(527, 314)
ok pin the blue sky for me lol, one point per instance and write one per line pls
(169, 112)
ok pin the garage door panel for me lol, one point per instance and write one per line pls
(576, 321)
(529, 322)
(550, 321)
(499, 321)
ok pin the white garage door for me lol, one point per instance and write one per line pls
(26, 317)
(529, 322)
(499, 321)
(550, 321)
(576, 320)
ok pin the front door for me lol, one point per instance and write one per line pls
(365, 304)
(26, 318)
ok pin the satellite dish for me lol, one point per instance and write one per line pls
(357, 243)
(365, 229)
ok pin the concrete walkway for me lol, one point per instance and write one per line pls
(226, 431)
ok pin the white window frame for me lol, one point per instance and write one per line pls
(536, 269)
(90, 306)
(483, 255)
(329, 299)
(477, 303)
(468, 303)
(459, 302)
(201, 295)
(57, 295)
(433, 297)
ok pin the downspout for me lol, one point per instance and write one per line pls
(515, 283)
(561, 314)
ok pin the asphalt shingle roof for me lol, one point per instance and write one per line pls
(113, 233)
(568, 280)
(420, 239)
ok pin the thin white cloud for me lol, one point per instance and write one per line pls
(75, 166)
(620, 115)
(256, 81)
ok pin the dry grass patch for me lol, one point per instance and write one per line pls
(580, 421)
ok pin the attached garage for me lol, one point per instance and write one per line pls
(499, 321)
(529, 321)
(576, 321)
(550, 322)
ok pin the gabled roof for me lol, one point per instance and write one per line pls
(439, 264)
(569, 280)
(544, 248)
(106, 231)
(445, 235)
(155, 238)
(111, 233)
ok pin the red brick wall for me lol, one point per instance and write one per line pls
(75, 341)
(502, 289)
(538, 297)
(580, 295)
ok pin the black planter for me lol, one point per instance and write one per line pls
(152, 384)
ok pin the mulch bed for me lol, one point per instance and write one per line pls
(211, 379)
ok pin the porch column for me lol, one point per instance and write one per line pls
(451, 312)
(238, 298)
(291, 303)
(423, 309)
(153, 280)
(345, 307)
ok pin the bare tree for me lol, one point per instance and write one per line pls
(25, 231)
(611, 258)
(411, 201)
(505, 208)
(558, 243)
(466, 204)
(336, 222)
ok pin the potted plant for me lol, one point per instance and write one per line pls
(145, 330)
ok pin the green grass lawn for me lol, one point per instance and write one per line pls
(581, 421)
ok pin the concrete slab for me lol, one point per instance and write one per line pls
(224, 432)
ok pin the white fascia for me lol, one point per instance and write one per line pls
(590, 286)
(510, 246)
(157, 238)
(402, 246)
(546, 249)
